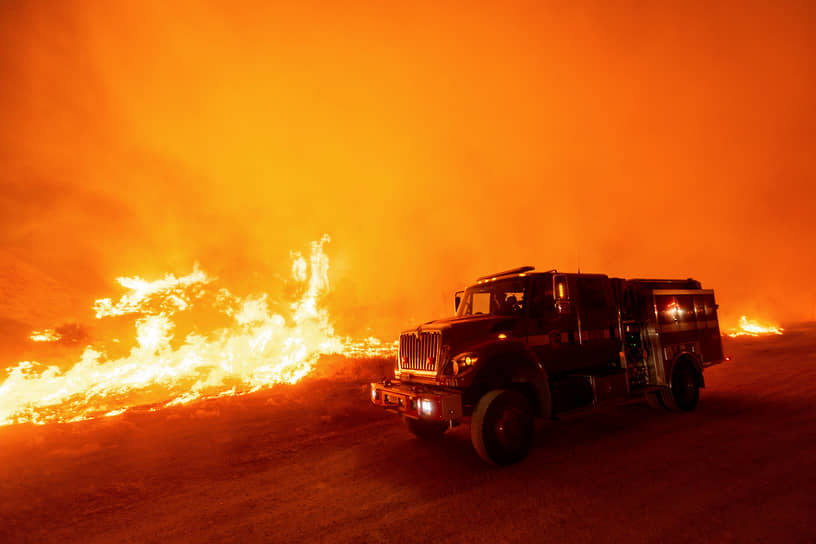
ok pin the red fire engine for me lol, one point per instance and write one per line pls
(525, 344)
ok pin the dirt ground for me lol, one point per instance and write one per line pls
(316, 462)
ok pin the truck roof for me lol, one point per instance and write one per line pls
(688, 283)
(648, 283)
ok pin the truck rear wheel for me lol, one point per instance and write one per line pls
(684, 392)
(501, 428)
(426, 429)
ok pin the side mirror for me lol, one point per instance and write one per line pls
(457, 300)
(561, 294)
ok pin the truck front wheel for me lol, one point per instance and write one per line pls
(426, 429)
(501, 428)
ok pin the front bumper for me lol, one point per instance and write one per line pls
(417, 401)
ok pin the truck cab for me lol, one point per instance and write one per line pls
(524, 344)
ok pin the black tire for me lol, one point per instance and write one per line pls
(684, 393)
(426, 430)
(501, 428)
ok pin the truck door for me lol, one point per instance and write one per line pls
(598, 317)
(552, 334)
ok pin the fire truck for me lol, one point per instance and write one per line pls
(524, 345)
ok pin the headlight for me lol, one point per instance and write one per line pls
(426, 406)
(463, 362)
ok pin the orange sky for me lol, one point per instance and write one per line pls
(433, 142)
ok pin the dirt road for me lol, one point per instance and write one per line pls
(314, 462)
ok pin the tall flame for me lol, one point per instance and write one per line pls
(751, 327)
(258, 348)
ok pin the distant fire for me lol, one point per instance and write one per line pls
(45, 335)
(256, 349)
(751, 327)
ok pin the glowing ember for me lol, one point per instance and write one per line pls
(753, 328)
(258, 348)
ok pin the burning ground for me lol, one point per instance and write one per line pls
(314, 461)
(252, 348)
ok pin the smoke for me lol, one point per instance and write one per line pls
(434, 143)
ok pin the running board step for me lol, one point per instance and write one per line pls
(587, 390)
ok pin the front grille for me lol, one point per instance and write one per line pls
(417, 348)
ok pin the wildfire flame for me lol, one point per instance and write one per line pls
(751, 327)
(45, 335)
(257, 349)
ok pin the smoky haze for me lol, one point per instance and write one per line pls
(433, 144)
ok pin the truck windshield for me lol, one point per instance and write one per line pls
(503, 297)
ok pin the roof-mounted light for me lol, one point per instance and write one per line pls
(518, 270)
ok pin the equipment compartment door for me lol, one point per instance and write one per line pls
(598, 316)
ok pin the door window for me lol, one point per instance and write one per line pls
(542, 303)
